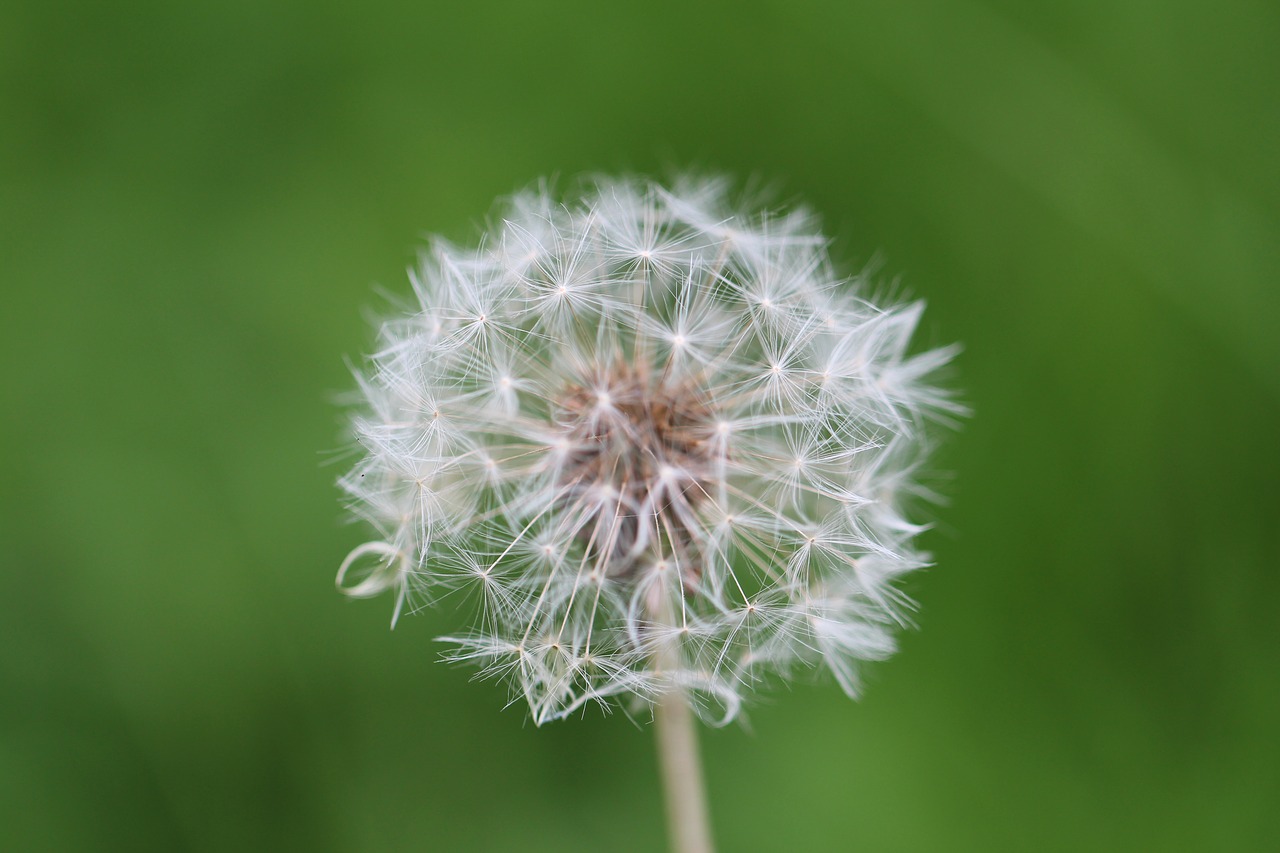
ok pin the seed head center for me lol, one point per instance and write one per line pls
(639, 466)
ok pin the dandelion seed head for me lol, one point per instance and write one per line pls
(645, 442)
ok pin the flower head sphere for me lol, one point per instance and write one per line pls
(658, 445)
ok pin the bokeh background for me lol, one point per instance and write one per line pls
(199, 204)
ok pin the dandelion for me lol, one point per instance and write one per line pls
(662, 449)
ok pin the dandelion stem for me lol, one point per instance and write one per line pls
(688, 821)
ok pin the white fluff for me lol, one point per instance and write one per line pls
(656, 443)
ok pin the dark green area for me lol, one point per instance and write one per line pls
(198, 200)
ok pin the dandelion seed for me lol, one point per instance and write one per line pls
(658, 442)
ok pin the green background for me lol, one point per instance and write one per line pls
(200, 202)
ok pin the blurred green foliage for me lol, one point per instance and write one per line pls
(197, 201)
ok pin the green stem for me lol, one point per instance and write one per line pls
(688, 820)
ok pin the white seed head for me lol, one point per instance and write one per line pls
(655, 442)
